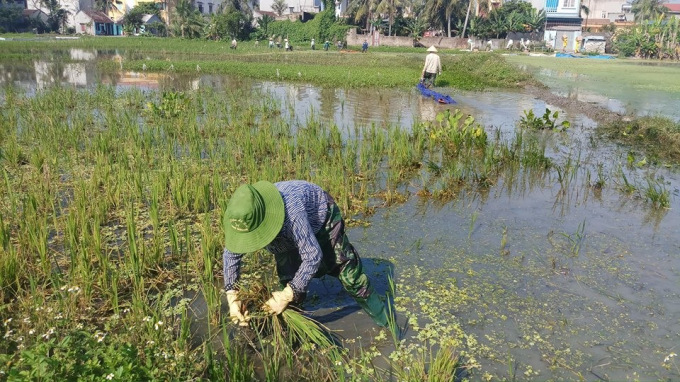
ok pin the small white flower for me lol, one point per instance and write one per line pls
(669, 357)
(31, 331)
(158, 325)
(150, 342)
(126, 310)
(146, 319)
(109, 376)
(99, 336)
(338, 363)
(74, 289)
(63, 287)
(79, 326)
(27, 320)
(58, 316)
(7, 321)
(8, 333)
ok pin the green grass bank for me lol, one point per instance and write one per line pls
(334, 68)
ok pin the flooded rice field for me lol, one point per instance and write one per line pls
(571, 273)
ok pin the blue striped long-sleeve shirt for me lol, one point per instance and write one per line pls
(306, 206)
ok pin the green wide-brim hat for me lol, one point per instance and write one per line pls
(253, 218)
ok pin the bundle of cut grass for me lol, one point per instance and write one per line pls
(290, 336)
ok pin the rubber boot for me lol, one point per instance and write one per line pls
(375, 308)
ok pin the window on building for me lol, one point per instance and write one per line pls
(82, 27)
(604, 14)
(210, 8)
(200, 7)
(569, 3)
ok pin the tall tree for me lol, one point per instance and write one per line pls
(187, 22)
(58, 16)
(279, 6)
(441, 10)
(648, 9)
(389, 8)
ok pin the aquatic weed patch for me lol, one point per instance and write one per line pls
(658, 137)
(537, 312)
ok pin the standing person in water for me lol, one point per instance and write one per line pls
(433, 66)
(302, 226)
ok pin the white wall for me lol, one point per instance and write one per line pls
(73, 6)
(296, 5)
(600, 9)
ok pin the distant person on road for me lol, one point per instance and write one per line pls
(313, 44)
(287, 45)
(364, 47)
(433, 66)
(326, 45)
(271, 42)
(234, 43)
(565, 39)
(302, 226)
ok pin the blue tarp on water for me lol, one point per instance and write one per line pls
(441, 98)
(571, 55)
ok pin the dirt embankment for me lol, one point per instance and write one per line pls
(597, 113)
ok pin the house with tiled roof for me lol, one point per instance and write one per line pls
(96, 23)
(673, 10)
(35, 14)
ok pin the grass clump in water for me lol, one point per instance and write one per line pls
(658, 137)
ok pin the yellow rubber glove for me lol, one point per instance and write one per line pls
(236, 309)
(279, 300)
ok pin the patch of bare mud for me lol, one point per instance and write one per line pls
(597, 113)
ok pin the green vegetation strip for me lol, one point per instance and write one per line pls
(657, 137)
(333, 68)
(627, 73)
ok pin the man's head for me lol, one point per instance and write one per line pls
(253, 218)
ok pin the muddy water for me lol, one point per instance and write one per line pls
(549, 279)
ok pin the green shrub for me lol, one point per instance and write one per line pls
(322, 27)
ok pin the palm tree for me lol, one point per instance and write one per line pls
(497, 23)
(536, 19)
(57, 17)
(106, 6)
(435, 9)
(467, 17)
(389, 8)
(586, 11)
(279, 6)
(361, 9)
(187, 22)
(648, 9)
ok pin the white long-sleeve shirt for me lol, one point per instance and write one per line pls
(432, 64)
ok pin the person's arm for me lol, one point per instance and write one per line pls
(310, 254)
(232, 268)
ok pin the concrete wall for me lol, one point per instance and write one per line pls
(353, 38)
